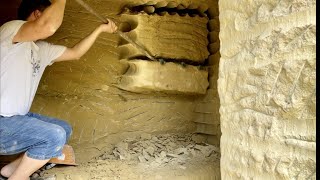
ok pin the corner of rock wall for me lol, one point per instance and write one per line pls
(207, 108)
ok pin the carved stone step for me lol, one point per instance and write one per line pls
(206, 118)
(208, 129)
(146, 76)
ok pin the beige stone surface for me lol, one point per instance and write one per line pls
(206, 118)
(150, 77)
(215, 140)
(267, 89)
(190, 4)
(84, 94)
(162, 156)
(183, 38)
(207, 107)
(208, 129)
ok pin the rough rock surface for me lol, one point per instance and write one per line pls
(267, 89)
(149, 77)
(207, 107)
(194, 4)
(182, 38)
(83, 92)
(163, 150)
(146, 156)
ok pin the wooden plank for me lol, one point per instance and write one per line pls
(67, 158)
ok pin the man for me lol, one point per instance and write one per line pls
(23, 61)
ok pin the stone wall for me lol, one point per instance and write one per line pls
(207, 108)
(167, 36)
(170, 78)
(267, 79)
(85, 94)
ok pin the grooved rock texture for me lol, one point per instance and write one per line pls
(147, 77)
(201, 5)
(168, 36)
(267, 79)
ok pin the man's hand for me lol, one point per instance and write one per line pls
(109, 28)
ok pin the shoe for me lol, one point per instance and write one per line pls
(3, 178)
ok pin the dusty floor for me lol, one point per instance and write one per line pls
(163, 156)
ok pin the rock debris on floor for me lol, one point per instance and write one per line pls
(161, 150)
(163, 156)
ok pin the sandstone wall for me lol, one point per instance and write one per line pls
(153, 77)
(84, 93)
(182, 38)
(267, 79)
(207, 108)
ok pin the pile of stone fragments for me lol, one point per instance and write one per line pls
(165, 149)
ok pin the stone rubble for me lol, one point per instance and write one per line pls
(40, 174)
(162, 150)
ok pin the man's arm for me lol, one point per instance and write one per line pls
(46, 25)
(84, 45)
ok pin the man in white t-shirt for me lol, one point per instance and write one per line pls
(24, 58)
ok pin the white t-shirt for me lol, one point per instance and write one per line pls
(21, 68)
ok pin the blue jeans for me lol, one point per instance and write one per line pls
(39, 136)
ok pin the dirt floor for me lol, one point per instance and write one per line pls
(163, 156)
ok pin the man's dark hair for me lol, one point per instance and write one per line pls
(28, 6)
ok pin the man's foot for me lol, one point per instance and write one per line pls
(8, 170)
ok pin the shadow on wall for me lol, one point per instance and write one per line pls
(8, 10)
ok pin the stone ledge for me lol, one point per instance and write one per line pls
(208, 107)
(146, 77)
(206, 118)
(208, 129)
